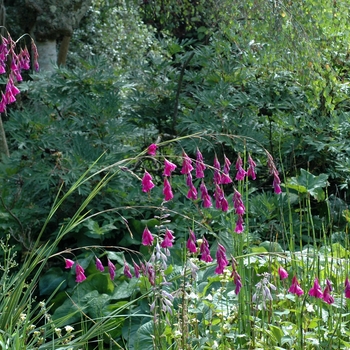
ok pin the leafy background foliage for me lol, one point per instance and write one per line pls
(249, 77)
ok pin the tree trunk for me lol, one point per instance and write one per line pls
(47, 55)
(62, 54)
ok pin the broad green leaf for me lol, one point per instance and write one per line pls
(271, 246)
(277, 333)
(308, 183)
(260, 249)
(143, 337)
(51, 280)
(125, 289)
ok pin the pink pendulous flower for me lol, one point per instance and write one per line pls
(273, 171)
(169, 167)
(205, 195)
(69, 263)
(99, 265)
(167, 191)
(295, 287)
(251, 168)
(10, 86)
(217, 171)
(276, 183)
(24, 59)
(79, 273)
(241, 173)
(168, 239)
(347, 288)
(111, 269)
(225, 179)
(200, 167)
(147, 183)
(191, 243)
(189, 181)
(239, 225)
(186, 164)
(219, 196)
(316, 290)
(192, 193)
(282, 273)
(224, 205)
(152, 149)
(3, 103)
(127, 272)
(221, 259)
(203, 189)
(227, 165)
(147, 237)
(238, 203)
(327, 297)
(137, 269)
(205, 252)
(207, 201)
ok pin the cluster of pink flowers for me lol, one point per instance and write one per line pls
(80, 272)
(204, 252)
(18, 62)
(221, 177)
(316, 290)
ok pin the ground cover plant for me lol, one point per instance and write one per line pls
(186, 193)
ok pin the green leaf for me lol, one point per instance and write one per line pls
(308, 183)
(125, 289)
(258, 249)
(95, 230)
(277, 333)
(271, 246)
(143, 337)
(51, 280)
